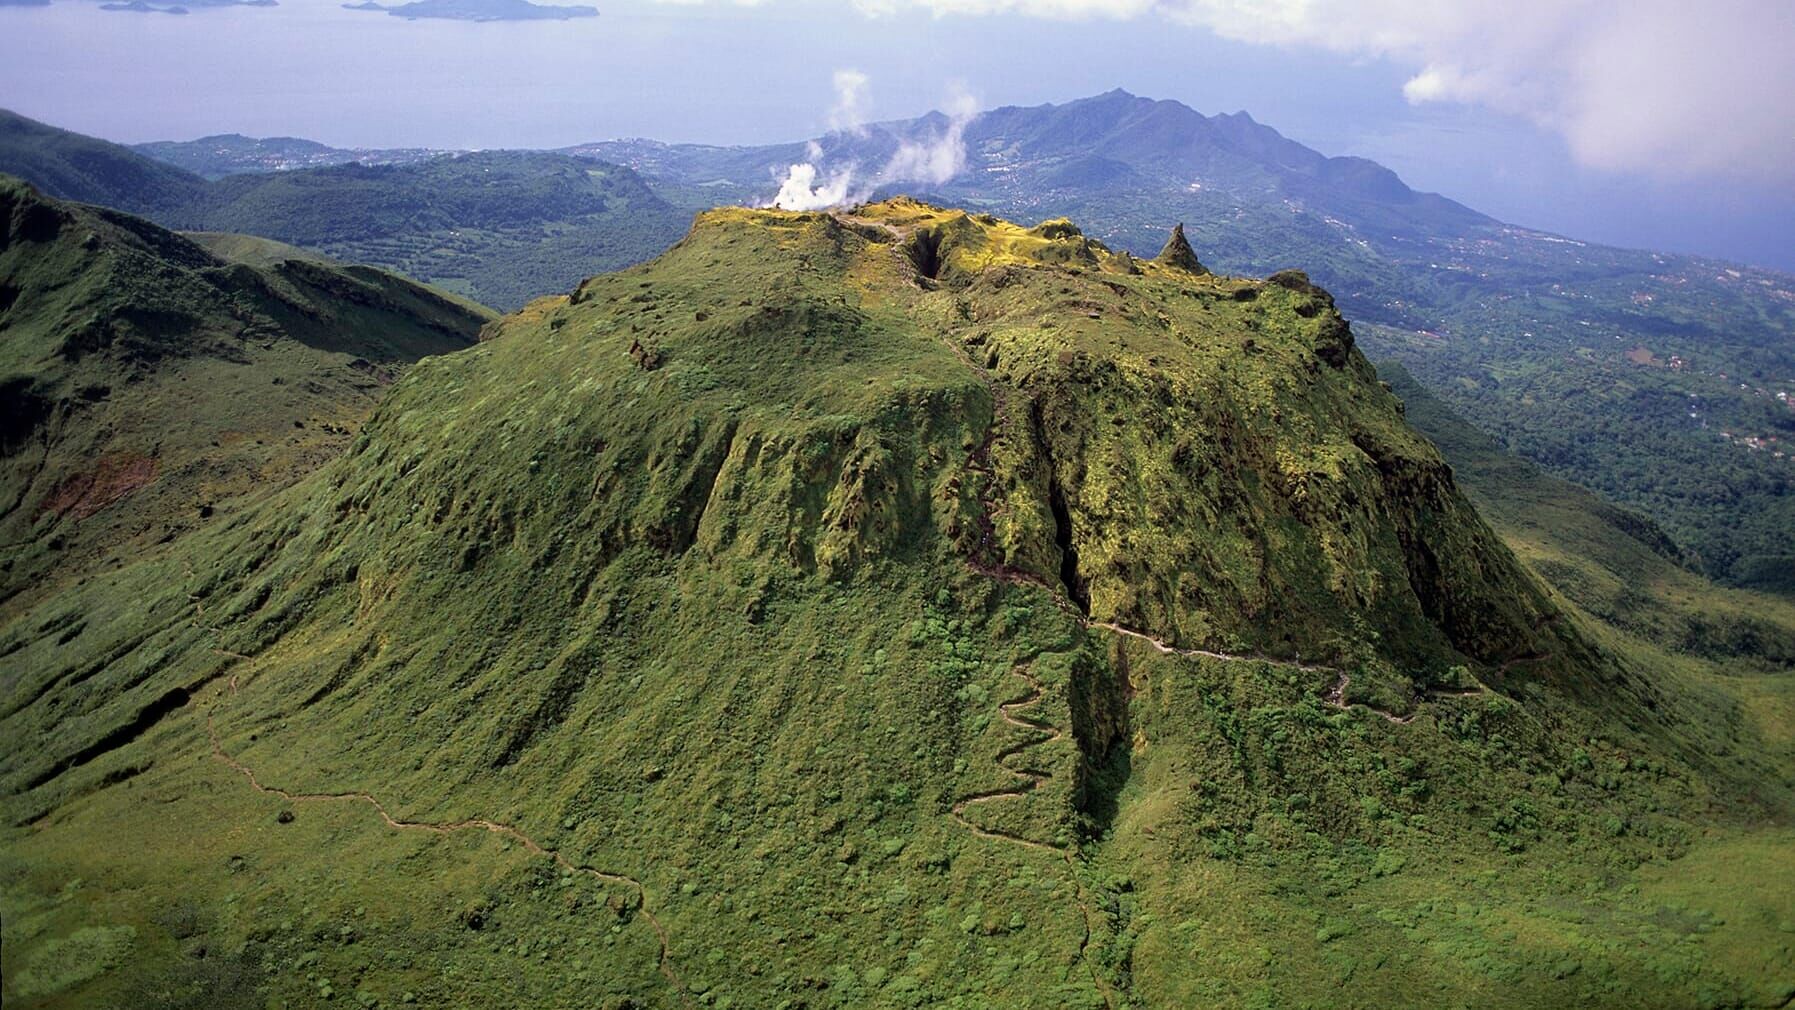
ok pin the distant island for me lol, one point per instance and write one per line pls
(139, 7)
(478, 10)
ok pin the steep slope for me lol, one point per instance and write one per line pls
(1654, 379)
(76, 167)
(150, 385)
(1615, 564)
(899, 608)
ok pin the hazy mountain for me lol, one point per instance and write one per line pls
(501, 227)
(232, 153)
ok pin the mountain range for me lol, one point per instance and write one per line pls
(498, 227)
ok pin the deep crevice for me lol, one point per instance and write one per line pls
(924, 250)
(1062, 535)
(1074, 584)
(1099, 696)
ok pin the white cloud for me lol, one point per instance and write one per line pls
(937, 159)
(1668, 87)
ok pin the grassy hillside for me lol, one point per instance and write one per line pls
(1666, 383)
(498, 227)
(153, 387)
(900, 609)
(76, 167)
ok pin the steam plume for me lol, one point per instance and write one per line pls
(932, 159)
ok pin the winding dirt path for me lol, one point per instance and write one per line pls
(531, 845)
(1028, 779)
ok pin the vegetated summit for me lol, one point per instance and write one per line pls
(1661, 381)
(895, 607)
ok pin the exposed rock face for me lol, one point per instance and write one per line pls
(1178, 253)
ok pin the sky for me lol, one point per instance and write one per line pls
(1653, 123)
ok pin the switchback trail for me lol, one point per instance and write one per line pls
(1028, 779)
(511, 832)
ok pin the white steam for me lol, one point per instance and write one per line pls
(848, 114)
(940, 158)
(932, 159)
(802, 191)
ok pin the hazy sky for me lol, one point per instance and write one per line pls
(1650, 123)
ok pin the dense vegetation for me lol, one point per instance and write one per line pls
(1612, 563)
(1666, 383)
(154, 384)
(897, 609)
(499, 227)
(74, 167)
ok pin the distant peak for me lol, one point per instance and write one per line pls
(1178, 253)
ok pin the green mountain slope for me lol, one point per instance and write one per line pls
(500, 227)
(1664, 382)
(152, 387)
(76, 167)
(898, 609)
(1615, 564)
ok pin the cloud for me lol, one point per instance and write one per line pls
(1665, 87)
(802, 191)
